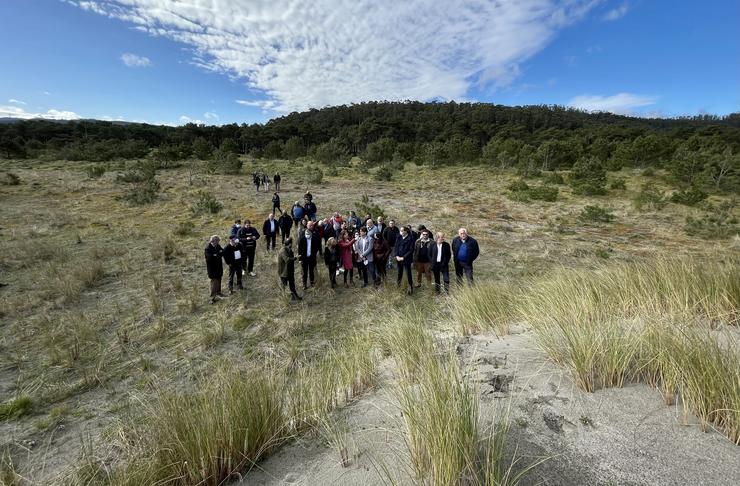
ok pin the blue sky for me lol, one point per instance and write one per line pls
(244, 61)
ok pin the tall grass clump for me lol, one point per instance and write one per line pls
(488, 306)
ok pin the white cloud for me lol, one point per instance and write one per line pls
(184, 119)
(47, 93)
(210, 115)
(17, 102)
(18, 112)
(620, 103)
(132, 60)
(301, 54)
(617, 13)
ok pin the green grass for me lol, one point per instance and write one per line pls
(16, 407)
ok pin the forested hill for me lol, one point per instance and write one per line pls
(551, 137)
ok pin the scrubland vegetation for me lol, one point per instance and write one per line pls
(115, 370)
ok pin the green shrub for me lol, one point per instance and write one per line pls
(595, 214)
(518, 186)
(588, 177)
(649, 197)
(144, 192)
(554, 178)
(17, 407)
(332, 171)
(689, 197)
(314, 175)
(95, 171)
(10, 179)
(228, 163)
(618, 184)
(206, 203)
(366, 206)
(543, 193)
(184, 228)
(384, 173)
(716, 225)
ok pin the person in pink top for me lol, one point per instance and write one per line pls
(345, 256)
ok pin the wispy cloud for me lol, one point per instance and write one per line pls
(133, 60)
(300, 54)
(620, 103)
(210, 115)
(18, 112)
(184, 119)
(617, 13)
(17, 102)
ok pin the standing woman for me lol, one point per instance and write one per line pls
(214, 253)
(345, 256)
(381, 251)
(331, 259)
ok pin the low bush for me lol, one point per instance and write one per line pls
(16, 407)
(595, 214)
(649, 197)
(95, 171)
(689, 197)
(618, 184)
(206, 203)
(10, 179)
(588, 177)
(543, 193)
(366, 206)
(314, 175)
(554, 178)
(144, 192)
(384, 173)
(715, 225)
(184, 228)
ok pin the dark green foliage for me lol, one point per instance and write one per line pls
(170, 154)
(518, 186)
(144, 192)
(366, 206)
(554, 178)
(716, 224)
(689, 197)
(649, 197)
(588, 177)
(595, 214)
(273, 150)
(331, 152)
(543, 193)
(228, 162)
(202, 148)
(380, 151)
(314, 175)
(206, 203)
(229, 145)
(618, 184)
(184, 228)
(95, 171)
(294, 148)
(384, 173)
(10, 179)
(17, 407)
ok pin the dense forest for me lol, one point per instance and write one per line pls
(697, 151)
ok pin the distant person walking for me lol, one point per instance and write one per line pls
(256, 180)
(214, 266)
(248, 237)
(276, 203)
(310, 207)
(464, 251)
(266, 182)
(286, 268)
(285, 222)
(276, 179)
(405, 257)
(270, 229)
(233, 254)
(440, 257)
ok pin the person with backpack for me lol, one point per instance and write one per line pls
(285, 222)
(248, 237)
(464, 251)
(233, 254)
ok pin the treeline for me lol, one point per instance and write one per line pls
(702, 150)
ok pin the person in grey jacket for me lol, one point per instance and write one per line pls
(364, 250)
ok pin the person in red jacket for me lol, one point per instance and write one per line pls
(345, 256)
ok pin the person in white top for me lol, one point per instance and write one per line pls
(440, 257)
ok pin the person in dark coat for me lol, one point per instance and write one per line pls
(390, 235)
(256, 180)
(310, 207)
(270, 229)
(286, 268)
(276, 203)
(214, 266)
(298, 213)
(285, 222)
(276, 179)
(381, 251)
(233, 255)
(248, 237)
(464, 251)
(331, 260)
(235, 228)
(440, 258)
(381, 225)
(405, 257)
(422, 257)
(309, 246)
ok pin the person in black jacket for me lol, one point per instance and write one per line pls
(214, 266)
(276, 203)
(390, 235)
(286, 268)
(405, 257)
(248, 237)
(440, 258)
(276, 179)
(233, 255)
(308, 247)
(331, 260)
(270, 229)
(285, 222)
(464, 251)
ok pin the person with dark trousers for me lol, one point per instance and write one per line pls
(422, 257)
(276, 179)
(310, 207)
(346, 245)
(405, 257)
(285, 222)
(270, 229)
(297, 212)
(440, 258)
(276, 203)
(235, 228)
(256, 180)
(327, 230)
(464, 251)
(381, 251)
(308, 247)
(248, 237)
(214, 266)
(286, 268)
(390, 235)
(364, 251)
(233, 255)
(331, 260)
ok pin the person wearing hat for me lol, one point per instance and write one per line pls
(214, 266)
(286, 268)
(233, 254)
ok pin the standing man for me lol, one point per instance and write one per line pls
(390, 235)
(233, 254)
(441, 255)
(310, 207)
(308, 247)
(405, 257)
(381, 225)
(285, 222)
(214, 266)
(371, 228)
(248, 237)
(422, 258)
(256, 180)
(270, 229)
(464, 251)
(298, 213)
(276, 179)
(364, 249)
(276, 203)
(286, 268)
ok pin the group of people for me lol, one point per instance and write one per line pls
(345, 244)
(261, 179)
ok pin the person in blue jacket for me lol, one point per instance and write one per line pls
(464, 252)
(298, 212)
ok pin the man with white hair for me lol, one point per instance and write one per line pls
(464, 252)
(214, 266)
